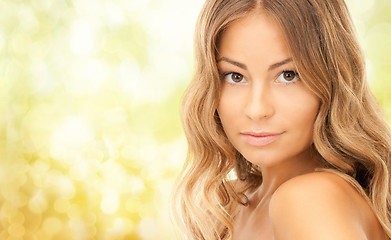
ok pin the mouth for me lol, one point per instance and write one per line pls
(260, 138)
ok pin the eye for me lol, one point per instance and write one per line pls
(288, 76)
(234, 77)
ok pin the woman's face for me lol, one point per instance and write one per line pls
(266, 110)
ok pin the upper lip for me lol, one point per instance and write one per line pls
(260, 133)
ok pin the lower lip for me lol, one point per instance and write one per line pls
(261, 141)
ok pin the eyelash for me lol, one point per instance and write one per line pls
(293, 81)
(225, 74)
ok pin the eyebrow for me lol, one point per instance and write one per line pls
(243, 66)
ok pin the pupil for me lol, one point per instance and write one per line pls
(237, 77)
(289, 75)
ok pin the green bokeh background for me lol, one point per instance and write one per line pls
(90, 135)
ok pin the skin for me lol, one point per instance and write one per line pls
(263, 99)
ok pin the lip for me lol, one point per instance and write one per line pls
(260, 138)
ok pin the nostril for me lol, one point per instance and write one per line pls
(259, 110)
(259, 106)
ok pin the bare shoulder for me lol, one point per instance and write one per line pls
(320, 205)
(324, 186)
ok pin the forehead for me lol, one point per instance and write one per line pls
(256, 34)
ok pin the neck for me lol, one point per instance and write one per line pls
(274, 176)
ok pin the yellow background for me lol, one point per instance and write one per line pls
(90, 136)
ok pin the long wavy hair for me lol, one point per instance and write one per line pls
(351, 136)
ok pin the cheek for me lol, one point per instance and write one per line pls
(310, 108)
(297, 108)
(224, 114)
(303, 111)
(229, 108)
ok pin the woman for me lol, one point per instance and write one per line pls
(280, 101)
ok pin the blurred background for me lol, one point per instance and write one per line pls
(90, 134)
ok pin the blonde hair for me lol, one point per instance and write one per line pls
(351, 136)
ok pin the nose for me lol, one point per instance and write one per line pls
(259, 104)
